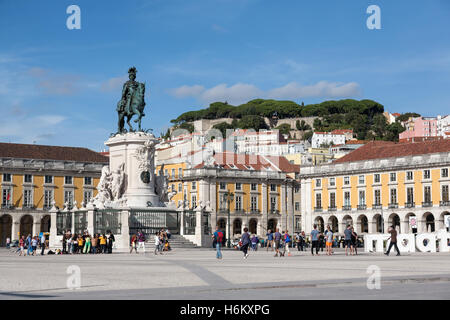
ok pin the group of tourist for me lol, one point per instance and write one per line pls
(87, 244)
(31, 244)
(161, 241)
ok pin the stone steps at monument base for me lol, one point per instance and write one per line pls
(176, 241)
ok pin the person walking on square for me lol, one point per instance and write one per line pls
(355, 241)
(245, 242)
(28, 244)
(393, 238)
(133, 243)
(34, 242)
(22, 246)
(141, 240)
(348, 240)
(329, 241)
(8, 243)
(42, 244)
(269, 240)
(218, 240)
(156, 238)
(315, 240)
(111, 241)
(277, 239)
(287, 242)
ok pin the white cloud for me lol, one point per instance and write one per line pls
(241, 92)
(113, 84)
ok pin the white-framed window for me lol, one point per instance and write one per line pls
(173, 173)
(376, 178)
(222, 186)
(346, 180)
(332, 200)
(238, 186)
(7, 177)
(87, 196)
(180, 173)
(194, 185)
(180, 187)
(27, 198)
(297, 189)
(48, 179)
(347, 202)
(393, 177)
(27, 178)
(273, 187)
(332, 182)
(444, 173)
(68, 197)
(273, 203)
(254, 202)
(68, 180)
(88, 181)
(7, 196)
(362, 198)
(166, 172)
(318, 183)
(409, 175)
(426, 174)
(297, 206)
(238, 203)
(427, 194)
(410, 195)
(377, 197)
(318, 200)
(445, 193)
(361, 179)
(393, 196)
(254, 187)
(48, 198)
(194, 201)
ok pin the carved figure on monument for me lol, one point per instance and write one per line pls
(111, 187)
(132, 102)
(104, 189)
(161, 186)
(118, 182)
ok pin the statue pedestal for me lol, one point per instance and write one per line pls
(135, 150)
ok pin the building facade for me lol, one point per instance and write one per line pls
(35, 177)
(265, 194)
(379, 185)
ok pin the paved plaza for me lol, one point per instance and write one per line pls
(197, 274)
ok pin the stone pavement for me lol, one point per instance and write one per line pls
(197, 274)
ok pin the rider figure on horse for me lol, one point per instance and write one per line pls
(130, 93)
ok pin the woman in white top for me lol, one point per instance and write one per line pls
(157, 243)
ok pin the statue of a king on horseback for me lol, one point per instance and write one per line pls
(132, 102)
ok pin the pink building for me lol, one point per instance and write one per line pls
(420, 127)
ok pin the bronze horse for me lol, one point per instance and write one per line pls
(134, 105)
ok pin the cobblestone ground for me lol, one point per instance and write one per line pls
(197, 274)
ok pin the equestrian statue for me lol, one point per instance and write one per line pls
(132, 102)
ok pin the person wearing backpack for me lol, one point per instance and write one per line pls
(287, 242)
(218, 240)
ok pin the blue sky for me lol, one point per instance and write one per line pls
(61, 87)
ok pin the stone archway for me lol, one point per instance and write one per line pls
(26, 225)
(272, 224)
(362, 224)
(442, 224)
(5, 229)
(410, 223)
(320, 223)
(222, 223)
(377, 221)
(45, 223)
(334, 224)
(394, 220)
(253, 226)
(237, 226)
(429, 222)
(347, 221)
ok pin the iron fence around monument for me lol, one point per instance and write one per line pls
(63, 222)
(107, 221)
(150, 221)
(81, 223)
(190, 221)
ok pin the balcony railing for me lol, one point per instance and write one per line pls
(393, 205)
(332, 208)
(347, 208)
(362, 207)
(254, 211)
(7, 206)
(427, 204)
(444, 204)
(241, 211)
(318, 209)
(410, 205)
(376, 206)
(29, 207)
(274, 211)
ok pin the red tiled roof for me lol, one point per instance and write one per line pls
(342, 131)
(385, 149)
(40, 152)
(396, 114)
(230, 161)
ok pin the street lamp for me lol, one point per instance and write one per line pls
(229, 197)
